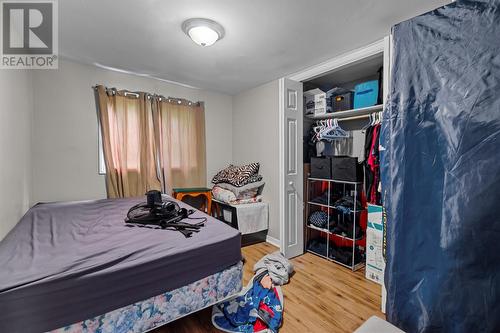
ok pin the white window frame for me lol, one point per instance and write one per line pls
(101, 168)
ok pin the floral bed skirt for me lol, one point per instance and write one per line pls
(159, 310)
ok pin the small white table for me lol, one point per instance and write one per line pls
(249, 219)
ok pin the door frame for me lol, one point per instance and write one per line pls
(381, 46)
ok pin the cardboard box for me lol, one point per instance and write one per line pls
(375, 264)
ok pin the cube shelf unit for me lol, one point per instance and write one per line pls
(353, 189)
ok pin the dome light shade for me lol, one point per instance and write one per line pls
(203, 36)
(203, 32)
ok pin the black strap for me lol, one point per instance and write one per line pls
(165, 219)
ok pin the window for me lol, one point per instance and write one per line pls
(130, 135)
(102, 162)
(149, 142)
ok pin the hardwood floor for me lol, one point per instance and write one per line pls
(321, 297)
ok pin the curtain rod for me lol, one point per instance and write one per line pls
(136, 94)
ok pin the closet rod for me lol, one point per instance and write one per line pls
(353, 117)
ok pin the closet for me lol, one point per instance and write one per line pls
(323, 204)
(341, 114)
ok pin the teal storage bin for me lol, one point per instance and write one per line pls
(366, 94)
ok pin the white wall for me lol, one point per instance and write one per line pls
(256, 139)
(65, 150)
(16, 112)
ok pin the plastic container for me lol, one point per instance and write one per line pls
(342, 102)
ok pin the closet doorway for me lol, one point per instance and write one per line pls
(344, 71)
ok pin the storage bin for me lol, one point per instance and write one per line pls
(342, 102)
(346, 168)
(321, 167)
(315, 102)
(366, 94)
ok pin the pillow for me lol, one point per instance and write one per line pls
(223, 195)
(236, 175)
(247, 201)
(227, 196)
(252, 179)
(244, 191)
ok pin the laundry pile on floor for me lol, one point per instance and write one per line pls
(238, 184)
(259, 306)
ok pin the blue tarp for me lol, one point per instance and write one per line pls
(440, 165)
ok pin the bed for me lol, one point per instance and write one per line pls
(76, 266)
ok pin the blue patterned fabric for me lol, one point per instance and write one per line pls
(159, 310)
(319, 219)
(241, 313)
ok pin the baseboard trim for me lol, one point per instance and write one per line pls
(273, 241)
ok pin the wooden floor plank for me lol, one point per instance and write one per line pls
(321, 297)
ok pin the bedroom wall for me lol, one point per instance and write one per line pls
(65, 151)
(256, 139)
(16, 113)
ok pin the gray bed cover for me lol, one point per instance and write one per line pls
(67, 262)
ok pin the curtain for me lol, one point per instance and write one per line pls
(128, 140)
(180, 134)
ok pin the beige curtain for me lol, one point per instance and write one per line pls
(128, 142)
(180, 134)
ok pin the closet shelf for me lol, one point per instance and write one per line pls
(318, 228)
(318, 204)
(310, 226)
(348, 113)
(333, 207)
(334, 181)
(353, 268)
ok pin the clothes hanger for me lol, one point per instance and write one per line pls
(334, 131)
(368, 124)
(344, 133)
(320, 125)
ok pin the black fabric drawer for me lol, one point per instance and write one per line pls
(346, 168)
(321, 167)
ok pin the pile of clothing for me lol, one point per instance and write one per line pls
(319, 219)
(346, 204)
(338, 223)
(343, 224)
(238, 184)
(259, 306)
(342, 254)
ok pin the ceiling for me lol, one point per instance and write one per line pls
(264, 39)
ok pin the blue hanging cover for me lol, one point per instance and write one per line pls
(440, 166)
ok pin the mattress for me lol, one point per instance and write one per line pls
(159, 310)
(67, 262)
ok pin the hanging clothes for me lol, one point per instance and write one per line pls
(328, 139)
(372, 164)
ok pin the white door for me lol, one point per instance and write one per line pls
(291, 167)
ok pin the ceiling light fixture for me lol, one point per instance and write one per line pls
(202, 31)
